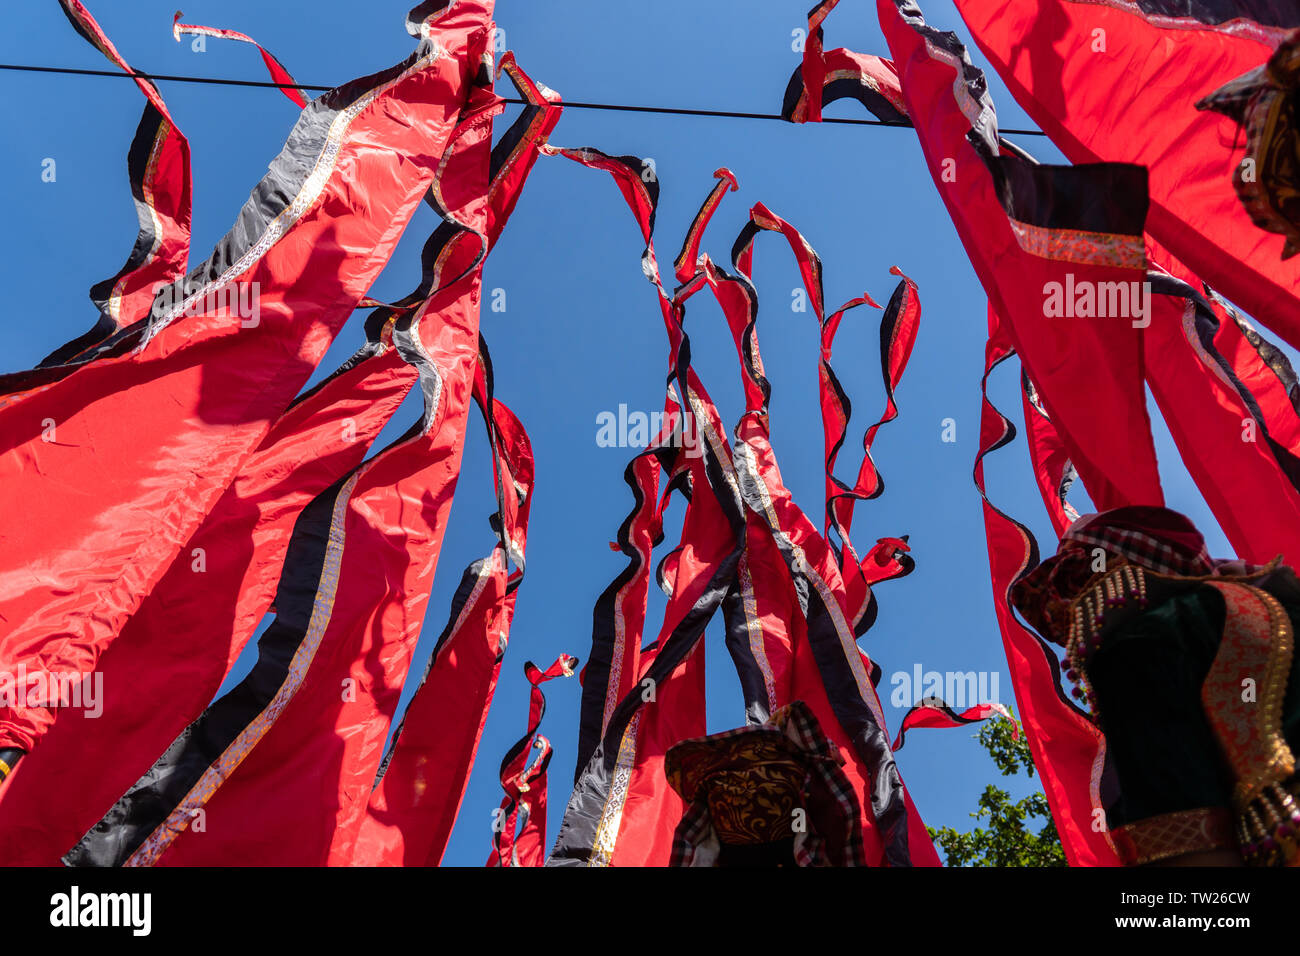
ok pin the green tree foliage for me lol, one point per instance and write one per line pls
(1017, 833)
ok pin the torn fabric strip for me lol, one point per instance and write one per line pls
(273, 66)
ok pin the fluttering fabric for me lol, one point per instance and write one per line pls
(174, 651)
(1120, 81)
(622, 811)
(422, 779)
(421, 782)
(935, 713)
(145, 438)
(812, 600)
(351, 600)
(739, 510)
(837, 74)
(158, 166)
(1090, 217)
(1208, 380)
(519, 827)
(171, 656)
(1043, 240)
(273, 66)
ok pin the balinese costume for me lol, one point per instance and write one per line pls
(1187, 666)
(769, 794)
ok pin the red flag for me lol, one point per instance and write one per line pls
(158, 166)
(898, 332)
(519, 829)
(794, 613)
(351, 600)
(1045, 241)
(622, 811)
(205, 384)
(422, 779)
(838, 74)
(935, 713)
(1119, 81)
(174, 652)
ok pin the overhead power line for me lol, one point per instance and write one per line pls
(614, 107)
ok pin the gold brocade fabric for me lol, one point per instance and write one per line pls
(755, 804)
(772, 791)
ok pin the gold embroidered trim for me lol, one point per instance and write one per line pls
(1080, 246)
(1257, 645)
(602, 847)
(1175, 834)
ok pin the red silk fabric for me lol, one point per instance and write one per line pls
(1134, 101)
(396, 511)
(519, 830)
(940, 715)
(201, 387)
(622, 811)
(171, 657)
(174, 652)
(1025, 227)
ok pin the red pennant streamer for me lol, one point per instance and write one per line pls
(519, 829)
(273, 66)
(935, 713)
(198, 380)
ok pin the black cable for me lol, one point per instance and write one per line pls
(667, 110)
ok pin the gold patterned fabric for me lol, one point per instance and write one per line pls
(770, 794)
(750, 783)
(1170, 835)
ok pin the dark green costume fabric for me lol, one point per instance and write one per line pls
(1146, 677)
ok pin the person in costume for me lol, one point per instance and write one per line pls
(769, 794)
(1187, 665)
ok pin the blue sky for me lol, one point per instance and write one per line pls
(581, 332)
